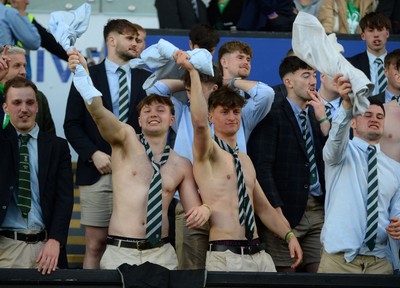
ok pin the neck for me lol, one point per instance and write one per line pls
(377, 53)
(393, 90)
(157, 143)
(116, 60)
(230, 140)
(300, 102)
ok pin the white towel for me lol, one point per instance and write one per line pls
(160, 57)
(311, 44)
(67, 26)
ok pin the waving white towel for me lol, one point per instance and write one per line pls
(311, 44)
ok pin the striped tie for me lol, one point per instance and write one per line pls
(246, 215)
(309, 147)
(397, 98)
(154, 206)
(123, 100)
(195, 8)
(372, 199)
(328, 110)
(24, 179)
(382, 81)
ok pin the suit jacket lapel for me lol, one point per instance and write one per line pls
(100, 80)
(134, 93)
(44, 156)
(295, 126)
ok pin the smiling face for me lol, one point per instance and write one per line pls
(226, 120)
(22, 106)
(17, 67)
(369, 126)
(155, 118)
(236, 64)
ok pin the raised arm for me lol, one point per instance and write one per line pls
(203, 143)
(111, 129)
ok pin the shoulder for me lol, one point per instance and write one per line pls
(358, 56)
(176, 159)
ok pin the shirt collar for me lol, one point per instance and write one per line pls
(34, 133)
(296, 109)
(372, 57)
(363, 145)
(112, 66)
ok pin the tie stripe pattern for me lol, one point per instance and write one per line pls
(246, 214)
(309, 147)
(195, 8)
(24, 179)
(154, 205)
(328, 110)
(123, 100)
(397, 98)
(382, 81)
(372, 199)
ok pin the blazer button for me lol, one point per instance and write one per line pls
(4, 207)
(307, 164)
(306, 186)
(11, 188)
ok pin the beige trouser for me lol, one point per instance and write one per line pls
(18, 254)
(115, 256)
(191, 244)
(229, 262)
(362, 264)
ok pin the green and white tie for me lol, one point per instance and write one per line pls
(154, 205)
(382, 81)
(328, 110)
(372, 199)
(309, 147)
(246, 214)
(123, 100)
(24, 179)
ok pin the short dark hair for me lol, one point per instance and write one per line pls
(120, 26)
(374, 20)
(157, 99)
(19, 82)
(291, 64)
(225, 97)
(377, 102)
(204, 78)
(204, 36)
(393, 58)
(233, 46)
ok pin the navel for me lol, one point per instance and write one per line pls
(228, 176)
(134, 173)
(390, 135)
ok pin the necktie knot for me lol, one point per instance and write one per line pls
(396, 97)
(122, 71)
(378, 61)
(371, 149)
(24, 138)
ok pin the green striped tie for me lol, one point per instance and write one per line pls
(24, 179)
(246, 214)
(123, 100)
(328, 110)
(154, 206)
(372, 199)
(382, 81)
(309, 147)
(397, 98)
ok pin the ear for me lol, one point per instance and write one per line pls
(354, 123)
(5, 108)
(191, 45)
(172, 120)
(214, 87)
(287, 81)
(210, 117)
(140, 121)
(362, 36)
(223, 61)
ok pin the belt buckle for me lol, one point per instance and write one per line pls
(141, 243)
(27, 238)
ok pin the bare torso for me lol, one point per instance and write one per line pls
(132, 173)
(217, 181)
(390, 142)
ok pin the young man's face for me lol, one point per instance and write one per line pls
(392, 75)
(369, 126)
(376, 39)
(226, 120)
(17, 67)
(156, 118)
(124, 45)
(207, 89)
(22, 107)
(236, 64)
(299, 82)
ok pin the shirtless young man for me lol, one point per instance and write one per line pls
(215, 174)
(391, 135)
(131, 177)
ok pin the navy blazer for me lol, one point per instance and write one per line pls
(361, 61)
(380, 97)
(80, 129)
(277, 149)
(55, 182)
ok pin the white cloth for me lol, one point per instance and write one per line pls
(83, 83)
(66, 27)
(160, 57)
(321, 52)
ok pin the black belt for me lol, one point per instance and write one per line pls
(247, 250)
(28, 238)
(135, 244)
